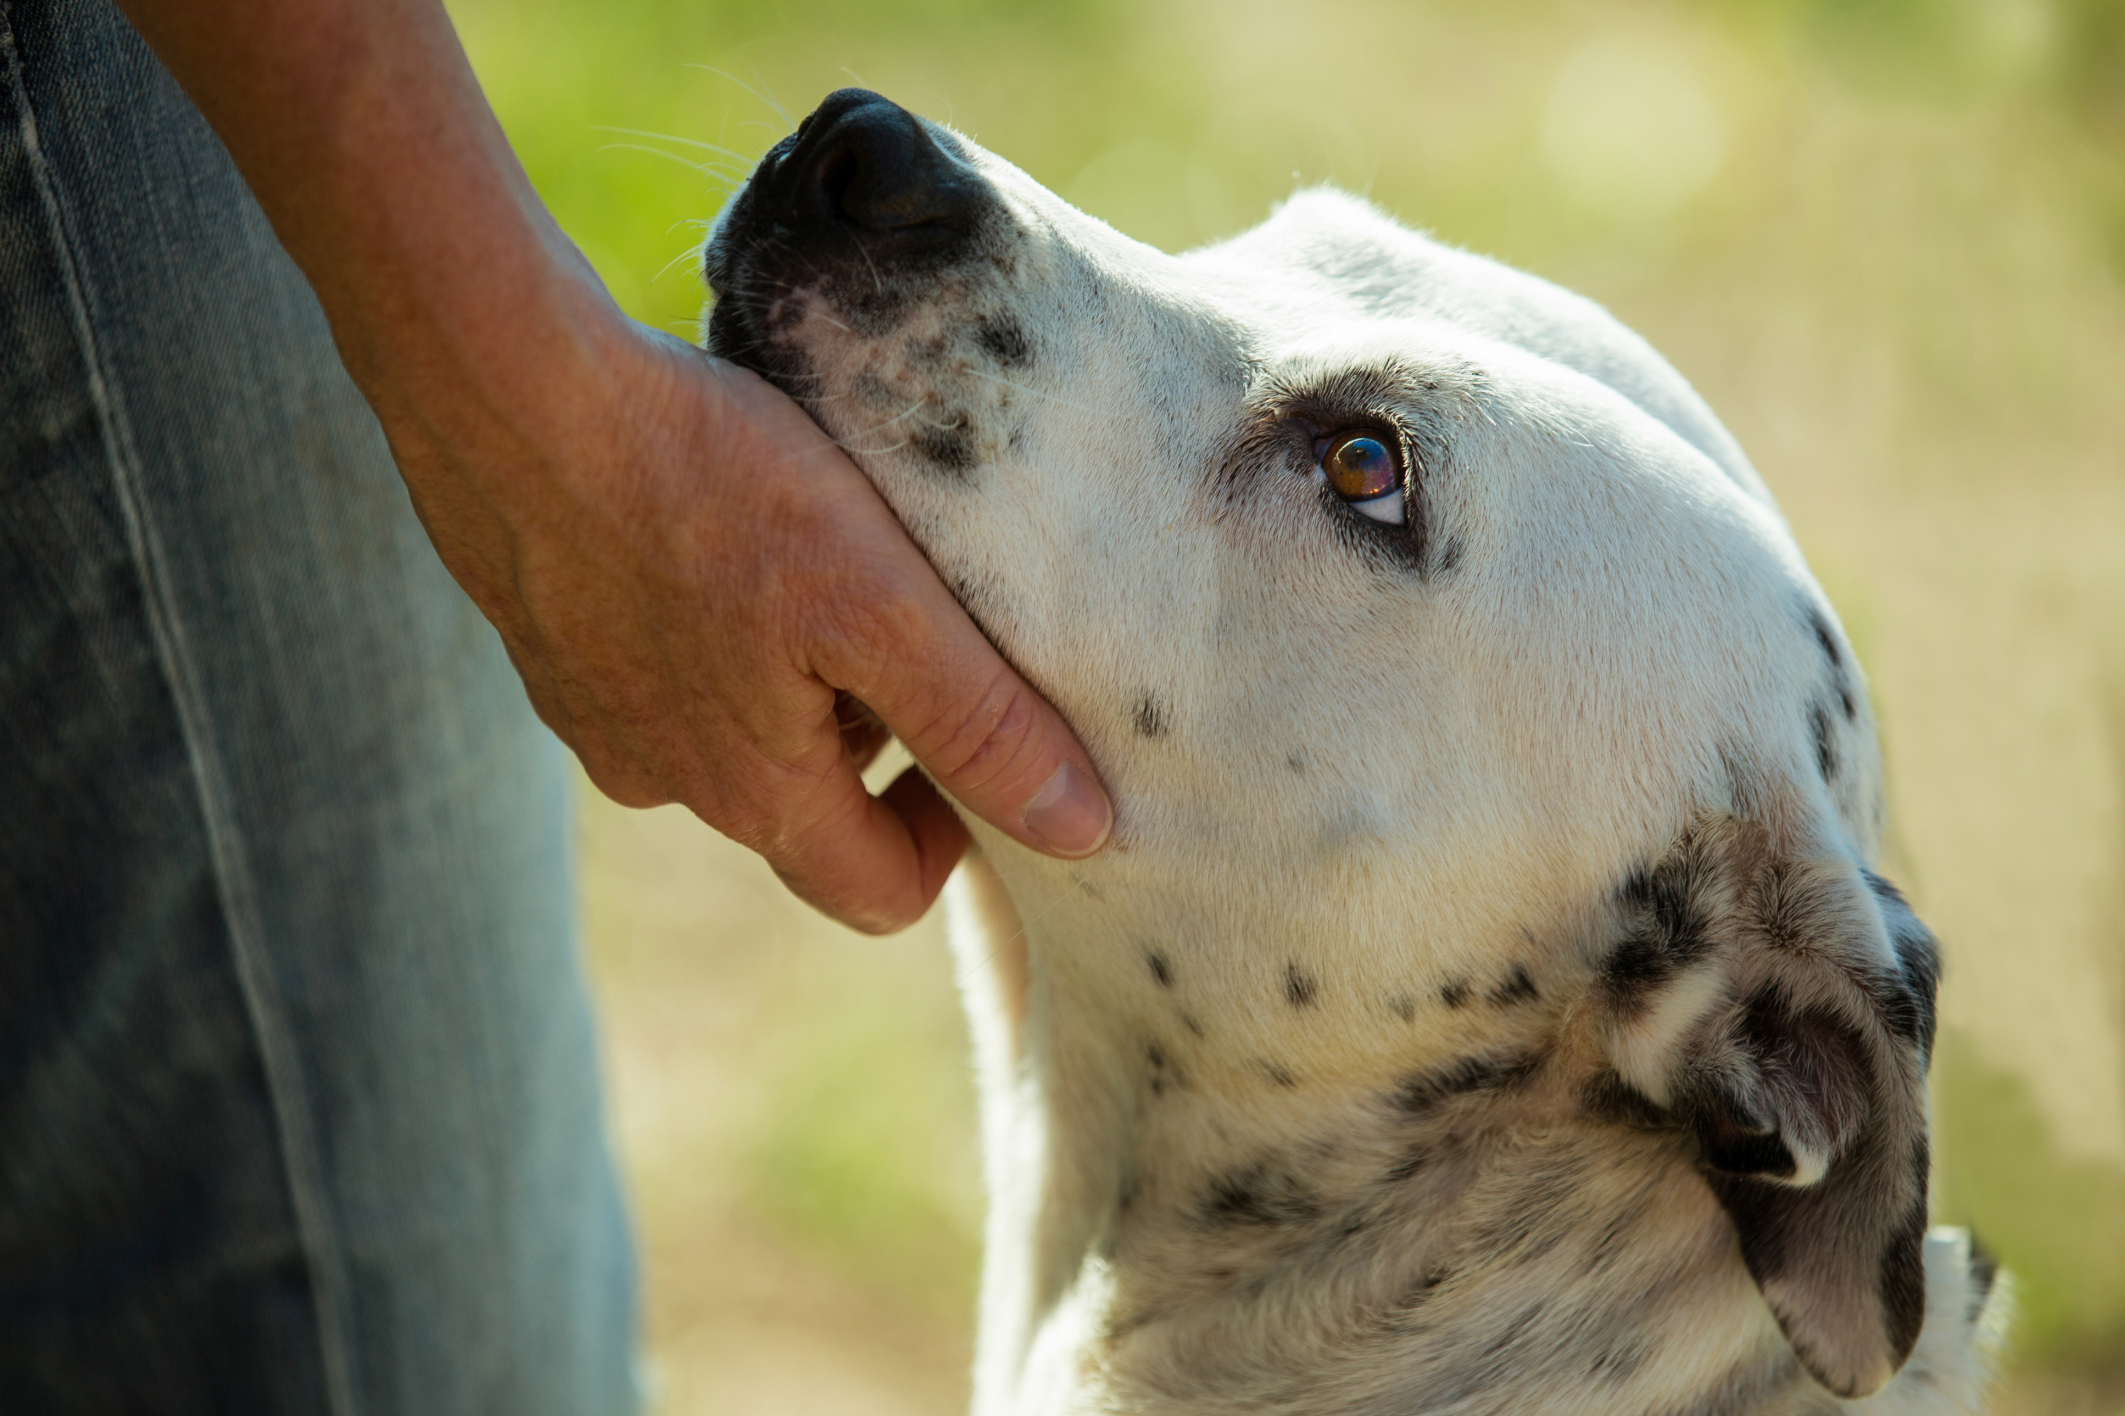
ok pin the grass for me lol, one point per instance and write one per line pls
(1885, 239)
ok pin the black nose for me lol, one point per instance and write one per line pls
(866, 161)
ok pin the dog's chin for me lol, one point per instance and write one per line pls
(731, 337)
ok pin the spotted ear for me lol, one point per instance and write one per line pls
(1779, 1003)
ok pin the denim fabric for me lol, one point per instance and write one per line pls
(298, 1099)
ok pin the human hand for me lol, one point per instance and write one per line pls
(700, 592)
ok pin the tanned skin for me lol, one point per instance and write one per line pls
(699, 590)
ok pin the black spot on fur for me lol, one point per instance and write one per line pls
(949, 450)
(1150, 717)
(1455, 994)
(1903, 1275)
(1161, 1072)
(1907, 1001)
(1277, 1072)
(1406, 1168)
(1427, 1091)
(1297, 763)
(1607, 1097)
(1619, 1364)
(1984, 1272)
(1840, 675)
(1824, 732)
(1745, 1389)
(1885, 891)
(1513, 1329)
(1257, 1195)
(1450, 555)
(1745, 785)
(1826, 640)
(1161, 971)
(1299, 987)
(1403, 1006)
(1517, 988)
(1188, 1021)
(1670, 926)
(871, 392)
(1613, 1239)
(1426, 1284)
(1005, 341)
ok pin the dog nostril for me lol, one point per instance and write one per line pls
(836, 174)
(868, 162)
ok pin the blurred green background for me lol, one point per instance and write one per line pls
(1886, 240)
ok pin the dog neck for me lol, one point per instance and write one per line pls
(1228, 1161)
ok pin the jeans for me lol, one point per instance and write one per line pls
(299, 1107)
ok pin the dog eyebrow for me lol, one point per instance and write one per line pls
(1341, 390)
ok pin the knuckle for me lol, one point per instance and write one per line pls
(784, 806)
(875, 623)
(982, 740)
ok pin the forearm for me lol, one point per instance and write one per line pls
(687, 574)
(362, 131)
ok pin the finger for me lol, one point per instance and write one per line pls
(861, 732)
(981, 730)
(893, 636)
(874, 863)
(939, 835)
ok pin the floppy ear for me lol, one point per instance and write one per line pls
(1778, 1001)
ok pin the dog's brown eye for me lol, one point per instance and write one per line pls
(1364, 472)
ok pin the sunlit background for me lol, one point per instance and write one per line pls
(1884, 239)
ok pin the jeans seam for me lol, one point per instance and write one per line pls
(293, 1115)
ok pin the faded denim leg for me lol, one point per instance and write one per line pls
(299, 1109)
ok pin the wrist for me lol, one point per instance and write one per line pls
(360, 128)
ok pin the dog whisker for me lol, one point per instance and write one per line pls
(911, 411)
(654, 152)
(691, 254)
(1078, 881)
(746, 163)
(780, 112)
(876, 279)
(1031, 392)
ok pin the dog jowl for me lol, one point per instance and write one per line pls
(1486, 1003)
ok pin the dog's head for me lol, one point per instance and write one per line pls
(1419, 616)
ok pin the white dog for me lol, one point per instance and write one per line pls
(1485, 1005)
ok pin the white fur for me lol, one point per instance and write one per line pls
(1372, 788)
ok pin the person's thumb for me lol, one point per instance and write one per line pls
(984, 734)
